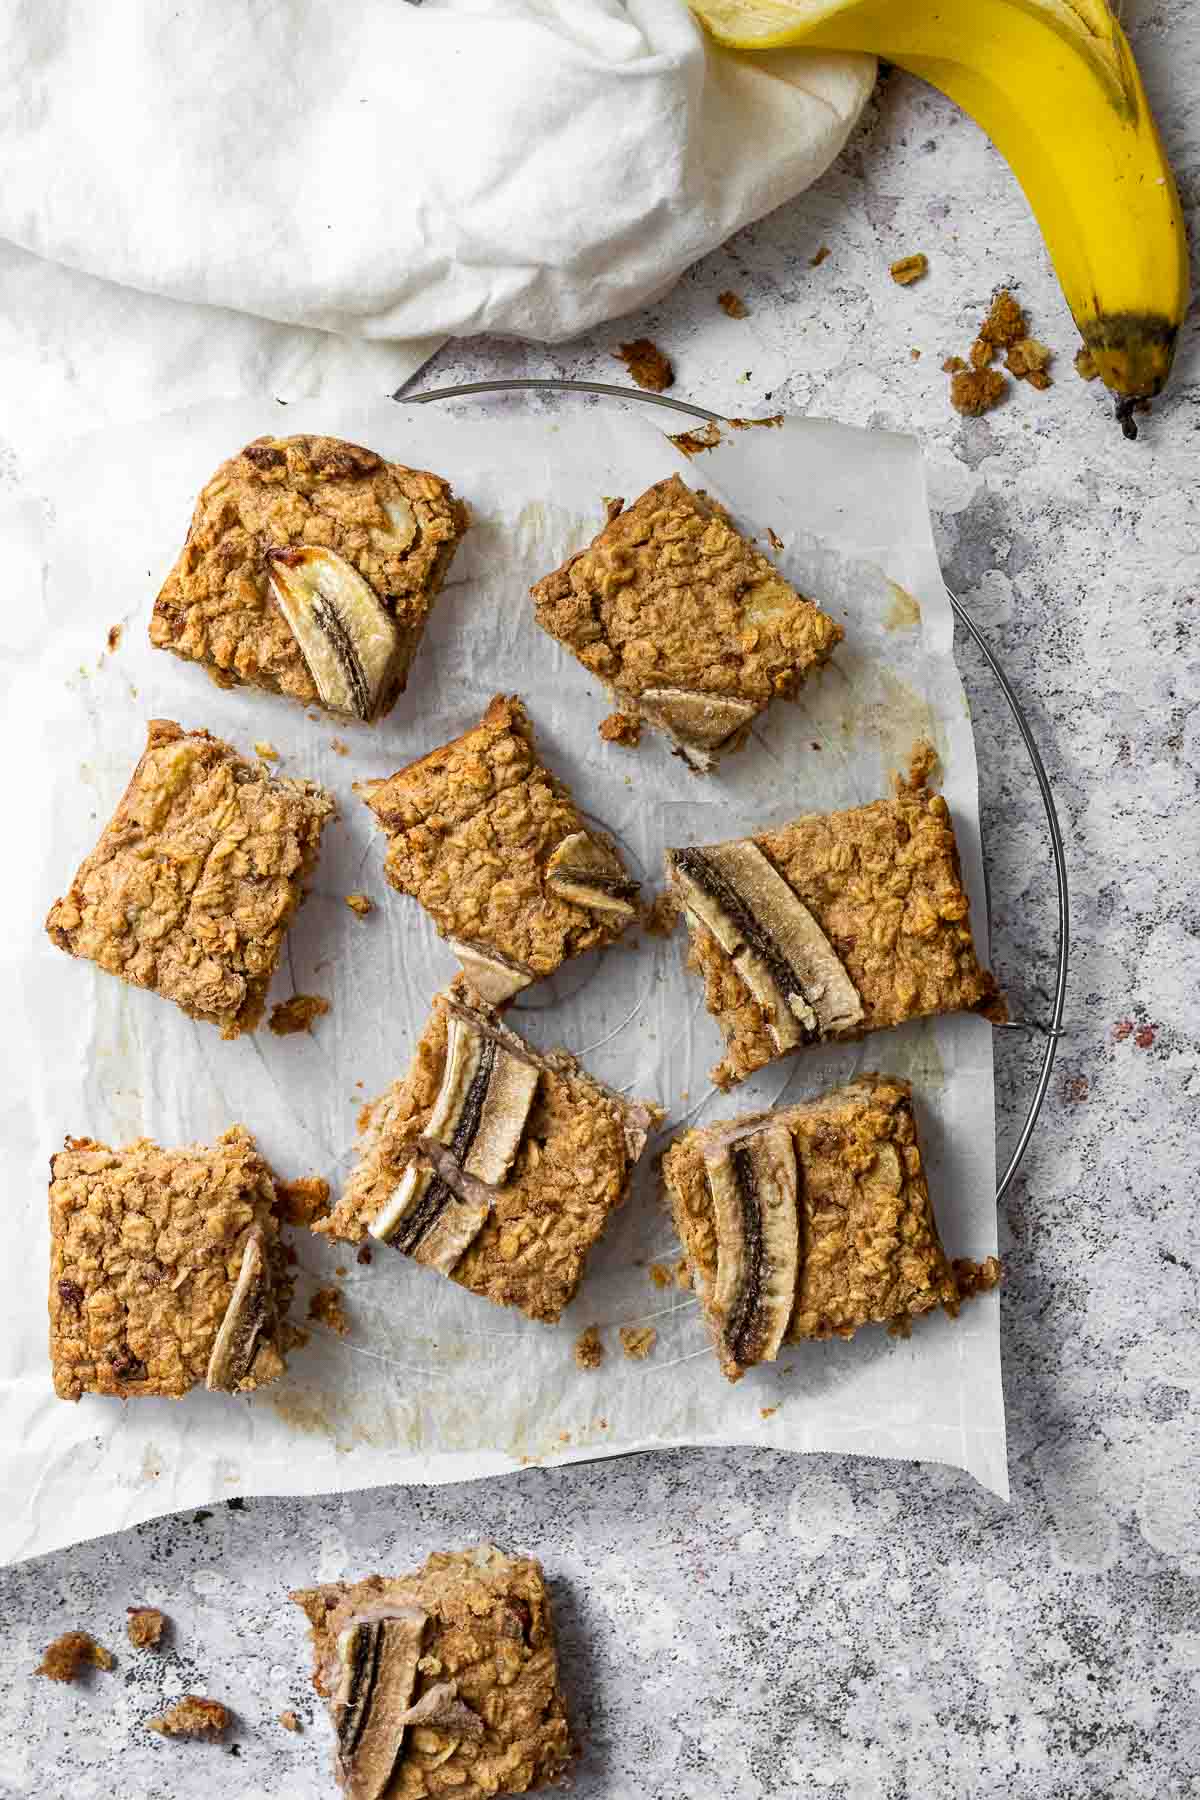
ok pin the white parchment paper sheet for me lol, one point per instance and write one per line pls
(433, 1384)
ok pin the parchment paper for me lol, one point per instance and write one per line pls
(434, 1384)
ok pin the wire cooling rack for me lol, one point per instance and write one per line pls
(1049, 1029)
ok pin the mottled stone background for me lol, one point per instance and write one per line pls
(742, 1625)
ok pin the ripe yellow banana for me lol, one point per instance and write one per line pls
(1055, 86)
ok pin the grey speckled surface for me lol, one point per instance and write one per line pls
(744, 1625)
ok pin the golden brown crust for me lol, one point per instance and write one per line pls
(471, 829)
(69, 1654)
(145, 1249)
(670, 595)
(216, 606)
(196, 877)
(884, 884)
(144, 1626)
(571, 1171)
(490, 1632)
(869, 1246)
(193, 1716)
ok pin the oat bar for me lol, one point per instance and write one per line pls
(832, 926)
(166, 1269)
(493, 847)
(688, 625)
(809, 1221)
(309, 569)
(196, 877)
(492, 1163)
(444, 1681)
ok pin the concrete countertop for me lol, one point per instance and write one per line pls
(738, 1625)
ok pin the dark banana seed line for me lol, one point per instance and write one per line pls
(707, 876)
(368, 1643)
(739, 1331)
(329, 621)
(438, 1194)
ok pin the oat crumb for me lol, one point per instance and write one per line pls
(693, 442)
(1005, 323)
(661, 916)
(364, 1255)
(976, 391)
(67, 1655)
(338, 745)
(1085, 364)
(733, 304)
(773, 538)
(622, 728)
(289, 1721)
(952, 365)
(909, 269)
(814, 262)
(305, 1201)
(767, 1412)
(362, 904)
(647, 364)
(683, 1275)
(266, 751)
(981, 354)
(971, 1278)
(589, 1351)
(660, 1275)
(145, 1627)
(1029, 361)
(914, 356)
(191, 1717)
(637, 1341)
(115, 634)
(297, 1014)
(325, 1308)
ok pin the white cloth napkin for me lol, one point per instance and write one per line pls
(395, 170)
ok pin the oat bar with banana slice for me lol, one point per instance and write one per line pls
(310, 568)
(443, 1681)
(491, 1162)
(831, 926)
(811, 1221)
(691, 627)
(196, 877)
(166, 1269)
(496, 851)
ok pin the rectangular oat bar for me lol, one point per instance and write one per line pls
(832, 926)
(811, 1221)
(309, 569)
(492, 1163)
(496, 851)
(196, 877)
(166, 1269)
(443, 1681)
(691, 628)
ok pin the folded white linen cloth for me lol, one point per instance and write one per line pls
(397, 170)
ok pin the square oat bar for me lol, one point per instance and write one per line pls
(196, 877)
(693, 629)
(493, 847)
(165, 1269)
(811, 1221)
(492, 1163)
(309, 569)
(444, 1681)
(832, 926)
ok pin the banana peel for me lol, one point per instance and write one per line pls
(1055, 86)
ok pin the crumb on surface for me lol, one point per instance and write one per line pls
(325, 1308)
(266, 751)
(1005, 323)
(589, 1351)
(733, 305)
(1121, 1030)
(338, 745)
(145, 1626)
(305, 1200)
(1075, 1088)
(662, 915)
(814, 262)
(693, 442)
(192, 1716)
(1029, 361)
(767, 1412)
(289, 1720)
(971, 1277)
(773, 538)
(952, 365)
(622, 728)
(909, 269)
(115, 634)
(914, 355)
(1085, 364)
(362, 904)
(981, 354)
(647, 364)
(67, 1655)
(297, 1014)
(364, 1254)
(683, 1275)
(637, 1341)
(976, 391)
(660, 1275)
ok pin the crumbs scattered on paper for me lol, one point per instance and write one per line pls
(693, 442)
(909, 269)
(115, 634)
(68, 1654)
(304, 1201)
(297, 1014)
(266, 751)
(660, 1275)
(325, 1308)
(647, 364)
(589, 1351)
(145, 1627)
(661, 916)
(733, 305)
(362, 904)
(637, 1341)
(622, 728)
(814, 262)
(192, 1716)
(338, 747)
(289, 1721)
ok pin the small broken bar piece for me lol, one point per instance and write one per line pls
(166, 1269)
(690, 627)
(196, 877)
(492, 1163)
(809, 1221)
(192, 1717)
(832, 926)
(441, 1681)
(495, 850)
(309, 569)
